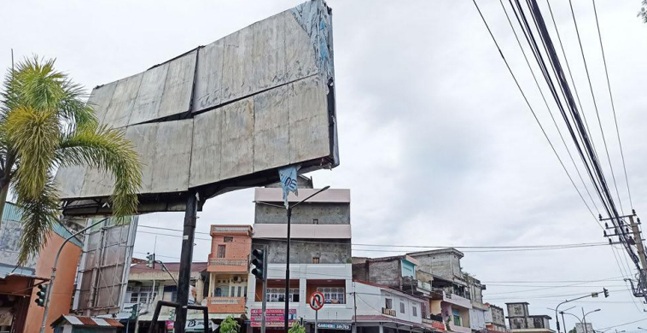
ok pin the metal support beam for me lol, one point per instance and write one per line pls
(186, 258)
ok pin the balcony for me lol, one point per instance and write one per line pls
(233, 305)
(459, 329)
(223, 265)
(453, 299)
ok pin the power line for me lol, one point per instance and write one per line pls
(613, 106)
(595, 105)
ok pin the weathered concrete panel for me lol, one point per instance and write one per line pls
(299, 53)
(172, 156)
(268, 58)
(145, 138)
(122, 102)
(271, 128)
(150, 94)
(100, 98)
(312, 213)
(309, 132)
(328, 252)
(178, 85)
(69, 181)
(207, 147)
(208, 83)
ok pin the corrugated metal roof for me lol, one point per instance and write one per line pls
(86, 321)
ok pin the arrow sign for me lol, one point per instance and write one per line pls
(317, 300)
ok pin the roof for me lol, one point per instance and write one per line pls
(438, 251)
(333, 195)
(86, 321)
(138, 267)
(399, 257)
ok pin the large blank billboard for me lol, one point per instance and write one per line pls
(222, 116)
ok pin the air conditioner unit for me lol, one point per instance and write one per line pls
(236, 279)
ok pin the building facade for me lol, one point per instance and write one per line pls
(381, 309)
(320, 258)
(228, 269)
(521, 321)
(495, 319)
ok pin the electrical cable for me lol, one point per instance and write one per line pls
(613, 107)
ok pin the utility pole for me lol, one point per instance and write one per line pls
(639, 242)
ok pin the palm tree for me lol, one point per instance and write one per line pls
(45, 124)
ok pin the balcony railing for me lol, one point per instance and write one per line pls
(228, 262)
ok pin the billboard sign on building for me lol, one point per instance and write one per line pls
(222, 116)
(273, 317)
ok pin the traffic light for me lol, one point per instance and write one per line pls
(259, 264)
(41, 294)
(150, 260)
(606, 292)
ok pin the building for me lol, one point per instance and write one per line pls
(148, 285)
(521, 321)
(397, 272)
(18, 310)
(478, 310)
(320, 258)
(381, 309)
(450, 298)
(495, 319)
(584, 328)
(228, 270)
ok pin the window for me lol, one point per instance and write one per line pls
(278, 294)
(221, 251)
(388, 303)
(315, 260)
(228, 239)
(402, 307)
(457, 318)
(134, 298)
(333, 295)
(414, 311)
(233, 291)
(218, 292)
(240, 291)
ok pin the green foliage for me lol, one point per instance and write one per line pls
(229, 325)
(297, 328)
(45, 124)
(643, 11)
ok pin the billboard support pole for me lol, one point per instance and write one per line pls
(186, 257)
(48, 293)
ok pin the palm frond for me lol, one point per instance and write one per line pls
(39, 215)
(34, 136)
(109, 150)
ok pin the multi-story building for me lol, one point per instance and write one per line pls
(521, 321)
(228, 270)
(382, 309)
(450, 299)
(148, 285)
(478, 310)
(320, 258)
(397, 272)
(495, 319)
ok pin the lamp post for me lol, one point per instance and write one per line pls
(287, 256)
(584, 318)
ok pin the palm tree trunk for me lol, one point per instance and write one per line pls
(3, 199)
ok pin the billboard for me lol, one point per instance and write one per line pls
(273, 317)
(105, 264)
(222, 116)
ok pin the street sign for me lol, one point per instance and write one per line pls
(317, 300)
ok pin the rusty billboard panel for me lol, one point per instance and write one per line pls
(222, 116)
(105, 264)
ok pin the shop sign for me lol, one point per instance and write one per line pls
(273, 317)
(334, 326)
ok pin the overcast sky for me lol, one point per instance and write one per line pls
(437, 145)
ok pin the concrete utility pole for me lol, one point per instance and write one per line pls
(639, 242)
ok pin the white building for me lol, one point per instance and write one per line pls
(385, 310)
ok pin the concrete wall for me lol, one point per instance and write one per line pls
(306, 213)
(303, 250)
(381, 272)
(517, 309)
(445, 264)
(63, 289)
(477, 319)
(371, 300)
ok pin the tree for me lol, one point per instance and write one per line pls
(229, 325)
(643, 11)
(297, 328)
(45, 124)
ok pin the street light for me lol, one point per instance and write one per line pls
(584, 317)
(287, 256)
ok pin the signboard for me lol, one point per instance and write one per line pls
(438, 325)
(220, 117)
(273, 317)
(317, 300)
(334, 326)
